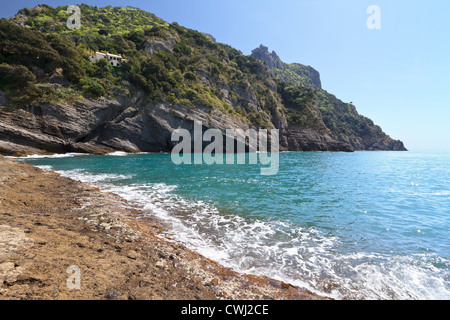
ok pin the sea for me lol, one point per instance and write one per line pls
(363, 225)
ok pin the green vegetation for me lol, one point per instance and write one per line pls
(308, 105)
(343, 120)
(301, 107)
(42, 61)
(297, 75)
(30, 57)
(315, 108)
(192, 71)
(95, 21)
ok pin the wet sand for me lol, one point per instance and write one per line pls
(49, 223)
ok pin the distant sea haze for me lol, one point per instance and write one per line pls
(363, 225)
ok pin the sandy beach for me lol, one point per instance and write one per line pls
(49, 223)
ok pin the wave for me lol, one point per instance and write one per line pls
(122, 153)
(118, 154)
(81, 175)
(54, 156)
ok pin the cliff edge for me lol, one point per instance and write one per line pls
(54, 99)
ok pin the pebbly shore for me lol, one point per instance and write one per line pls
(61, 239)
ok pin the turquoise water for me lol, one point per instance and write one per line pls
(364, 225)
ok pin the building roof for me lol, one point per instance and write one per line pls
(109, 54)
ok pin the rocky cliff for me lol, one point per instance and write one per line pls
(316, 119)
(272, 60)
(53, 100)
(100, 127)
(302, 75)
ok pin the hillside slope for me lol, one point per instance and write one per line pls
(53, 99)
(308, 105)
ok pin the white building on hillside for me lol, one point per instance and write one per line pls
(113, 59)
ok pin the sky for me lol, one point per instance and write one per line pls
(398, 75)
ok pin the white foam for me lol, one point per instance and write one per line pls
(56, 155)
(246, 245)
(302, 257)
(118, 154)
(398, 277)
(48, 168)
(81, 175)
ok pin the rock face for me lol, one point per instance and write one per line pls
(209, 36)
(153, 46)
(102, 126)
(3, 100)
(274, 63)
(167, 43)
(314, 76)
(310, 140)
(272, 59)
(124, 124)
(359, 133)
(132, 124)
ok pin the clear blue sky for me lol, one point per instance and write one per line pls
(398, 76)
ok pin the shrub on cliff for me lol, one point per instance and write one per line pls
(15, 76)
(21, 46)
